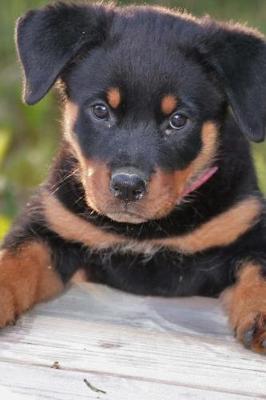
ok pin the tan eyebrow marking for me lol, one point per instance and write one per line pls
(168, 104)
(114, 97)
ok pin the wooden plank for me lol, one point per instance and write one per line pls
(25, 382)
(196, 316)
(11, 394)
(126, 353)
(94, 329)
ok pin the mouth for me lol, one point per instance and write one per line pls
(160, 200)
(126, 217)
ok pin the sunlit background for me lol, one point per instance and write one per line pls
(29, 135)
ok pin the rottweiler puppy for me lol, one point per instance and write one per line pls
(153, 190)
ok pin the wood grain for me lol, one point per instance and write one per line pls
(131, 347)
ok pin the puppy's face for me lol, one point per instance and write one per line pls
(143, 121)
(146, 93)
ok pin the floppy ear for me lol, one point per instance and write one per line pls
(49, 38)
(238, 56)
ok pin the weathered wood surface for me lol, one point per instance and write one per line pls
(132, 348)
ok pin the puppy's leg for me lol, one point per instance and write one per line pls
(26, 278)
(246, 306)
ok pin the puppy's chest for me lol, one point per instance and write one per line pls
(157, 272)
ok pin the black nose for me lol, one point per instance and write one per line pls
(128, 184)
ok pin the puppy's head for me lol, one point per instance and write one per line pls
(146, 92)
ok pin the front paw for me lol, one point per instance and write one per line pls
(245, 303)
(7, 307)
(26, 278)
(251, 331)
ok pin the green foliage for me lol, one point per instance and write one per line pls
(260, 162)
(29, 135)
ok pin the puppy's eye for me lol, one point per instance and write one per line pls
(177, 121)
(101, 111)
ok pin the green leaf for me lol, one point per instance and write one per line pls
(4, 226)
(4, 143)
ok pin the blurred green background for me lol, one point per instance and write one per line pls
(29, 135)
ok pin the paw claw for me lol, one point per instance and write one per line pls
(253, 334)
(13, 322)
(248, 337)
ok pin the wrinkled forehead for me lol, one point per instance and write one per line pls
(141, 65)
(136, 74)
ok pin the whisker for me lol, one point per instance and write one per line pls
(82, 197)
(57, 186)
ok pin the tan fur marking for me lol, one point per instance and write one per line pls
(168, 104)
(26, 278)
(96, 180)
(71, 115)
(245, 304)
(166, 189)
(71, 227)
(114, 97)
(221, 230)
(79, 277)
(209, 136)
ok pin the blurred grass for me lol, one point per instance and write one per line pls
(29, 135)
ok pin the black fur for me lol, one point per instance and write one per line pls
(218, 72)
(47, 40)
